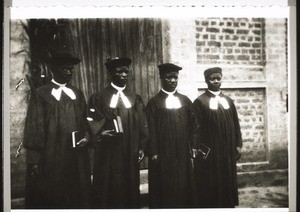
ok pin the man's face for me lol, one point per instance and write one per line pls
(119, 76)
(213, 81)
(169, 81)
(63, 74)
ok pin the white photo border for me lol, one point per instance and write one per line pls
(277, 10)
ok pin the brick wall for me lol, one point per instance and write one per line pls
(253, 55)
(237, 41)
(250, 105)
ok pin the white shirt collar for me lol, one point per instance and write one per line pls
(216, 93)
(117, 87)
(60, 85)
(169, 93)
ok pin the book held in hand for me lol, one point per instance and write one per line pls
(203, 151)
(118, 125)
(76, 137)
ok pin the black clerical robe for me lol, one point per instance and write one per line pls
(64, 178)
(116, 167)
(216, 177)
(171, 182)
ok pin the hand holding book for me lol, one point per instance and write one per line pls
(108, 133)
(141, 155)
(79, 139)
(203, 151)
(117, 129)
(238, 153)
(36, 170)
(82, 142)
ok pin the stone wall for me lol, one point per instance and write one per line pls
(18, 104)
(277, 86)
(179, 47)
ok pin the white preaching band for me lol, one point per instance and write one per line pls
(214, 102)
(172, 102)
(119, 94)
(62, 87)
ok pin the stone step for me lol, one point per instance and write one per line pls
(277, 177)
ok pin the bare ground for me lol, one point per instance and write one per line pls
(263, 197)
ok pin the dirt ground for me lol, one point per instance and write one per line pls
(250, 197)
(263, 197)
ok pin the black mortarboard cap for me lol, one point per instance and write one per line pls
(115, 62)
(210, 71)
(63, 58)
(168, 67)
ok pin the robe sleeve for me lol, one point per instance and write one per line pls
(152, 145)
(34, 131)
(197, 109)
(194, 126)
(238, 142)
(143, 126)
(96, 118)
(85, 123)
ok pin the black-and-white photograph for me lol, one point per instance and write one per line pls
(149, 112)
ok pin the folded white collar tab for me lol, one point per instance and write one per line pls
(119, 94)
(172, 101)
(215, 101)
(62, 87)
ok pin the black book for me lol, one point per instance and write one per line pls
(118, 125)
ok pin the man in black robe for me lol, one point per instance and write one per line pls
(119, 127)
(58, 174)
(216, 176)
(170, 120)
